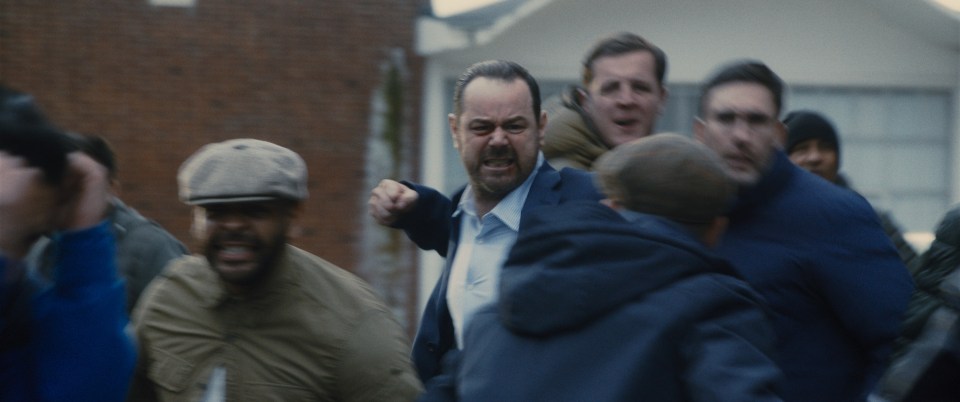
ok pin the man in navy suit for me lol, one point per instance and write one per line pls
(497, 127)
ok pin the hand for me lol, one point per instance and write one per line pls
(390, 200)
(31, 207)
(27, 205)
(86, 194)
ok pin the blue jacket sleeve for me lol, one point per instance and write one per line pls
(82, 349)
(868, 287)
(428, 225)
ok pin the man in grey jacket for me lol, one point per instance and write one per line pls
(143, 246)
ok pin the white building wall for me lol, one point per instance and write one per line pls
(823, 42)
(955, 171)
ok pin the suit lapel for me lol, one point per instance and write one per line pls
(442, 310)
(543, 190)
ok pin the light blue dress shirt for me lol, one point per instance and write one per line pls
(482, 248)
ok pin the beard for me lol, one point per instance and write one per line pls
(496, 185)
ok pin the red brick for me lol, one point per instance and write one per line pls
(159, 82)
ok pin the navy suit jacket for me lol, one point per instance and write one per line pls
(431, 226)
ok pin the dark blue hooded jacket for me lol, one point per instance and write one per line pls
(596, 308)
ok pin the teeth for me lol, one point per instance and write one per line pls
(235, 249)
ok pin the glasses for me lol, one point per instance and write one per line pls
(753, 121)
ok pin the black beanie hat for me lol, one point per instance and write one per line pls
(803, 125)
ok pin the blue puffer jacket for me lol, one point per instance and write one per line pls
(818, 255)
(67, 341)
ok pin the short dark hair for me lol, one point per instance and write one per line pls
(749, 71)
(26, 132)
(622, 43)
(496, 69)
(98, 149)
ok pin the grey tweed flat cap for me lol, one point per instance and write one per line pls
(242, 170)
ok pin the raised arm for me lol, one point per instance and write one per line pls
(423, 213)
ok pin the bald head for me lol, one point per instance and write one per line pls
(668, 175)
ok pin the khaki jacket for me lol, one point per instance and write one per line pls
(312, 332)
(570, 138)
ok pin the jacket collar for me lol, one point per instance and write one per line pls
(542, 191)
(778, 176)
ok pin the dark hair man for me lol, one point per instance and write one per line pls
(255, 318)
(496, 126)
(621, 97)
(815, 251)
(623, 302)
(143, 247)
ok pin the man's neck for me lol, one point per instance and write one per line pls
(484, 205)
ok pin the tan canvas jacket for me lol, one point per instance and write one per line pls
(313, 332)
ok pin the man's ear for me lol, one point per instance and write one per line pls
(198, 225)
(580, 95)
(664, 95)
(115, 187)
(781, 134)
(452, 121)
(294, 230)
(611, 203)
(698, 127)
(542, 126)
(714, 232)
(295, 210)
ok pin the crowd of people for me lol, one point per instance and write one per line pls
(587, 259)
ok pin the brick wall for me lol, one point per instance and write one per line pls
(159, 82)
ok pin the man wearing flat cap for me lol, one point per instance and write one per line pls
(622, 301)
(255, 318)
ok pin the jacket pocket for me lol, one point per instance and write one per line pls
(169, 372)
(265, 392)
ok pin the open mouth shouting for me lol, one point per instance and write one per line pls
(235, 256)
(499, 160)
(627, 124)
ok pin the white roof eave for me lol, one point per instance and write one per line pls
(435, 36)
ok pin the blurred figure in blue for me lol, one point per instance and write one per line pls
(62, 340)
